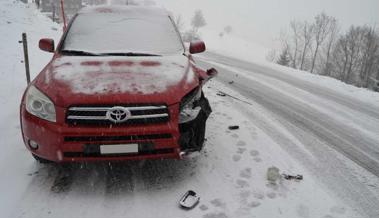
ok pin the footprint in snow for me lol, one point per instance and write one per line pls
(218, 203)
(337, 210)
(254, 153)
(259, 195)
(246, 173)
(203, 207)
(241, 143)
(215, 215)
(271, 195)
(254, 204)
(241, 150)
(242, 183)
(272, 186)
(302, 211)
(257, 159)
(245, 194)
(236, 158)
(253, 135)
(235, 136)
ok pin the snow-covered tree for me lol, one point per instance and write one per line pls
(198, 21)
(228, 29)
(179, 23)
(284, 58)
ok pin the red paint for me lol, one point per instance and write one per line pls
(91, 63)
(150, 63)
(50, 136)
(64, 64)
(121, 63)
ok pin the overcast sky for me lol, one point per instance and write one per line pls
(262, 20)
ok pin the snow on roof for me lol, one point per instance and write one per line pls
(126, 9)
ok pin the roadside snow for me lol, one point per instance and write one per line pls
(15, 161)
(241, 49)
(359, 121)
(362, 94)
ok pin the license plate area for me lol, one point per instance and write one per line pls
(119, 149)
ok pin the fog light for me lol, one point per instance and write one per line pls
(33, 144)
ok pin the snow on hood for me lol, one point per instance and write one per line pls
(135, 75)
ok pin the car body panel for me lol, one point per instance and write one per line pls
(70, 80)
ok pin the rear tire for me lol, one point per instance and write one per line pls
(41, 160)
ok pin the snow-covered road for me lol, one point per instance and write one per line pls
(340, 132)
(329, 135)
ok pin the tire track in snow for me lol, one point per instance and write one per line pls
(359, 148)
(352, 103)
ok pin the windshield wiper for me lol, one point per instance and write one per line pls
(131, 54)
(79, 53)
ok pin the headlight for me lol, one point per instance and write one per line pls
(40, 105)
(189, 107)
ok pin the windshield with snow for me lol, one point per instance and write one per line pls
(120, 33)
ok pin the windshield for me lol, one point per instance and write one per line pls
(122, 33)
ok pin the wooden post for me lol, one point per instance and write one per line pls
(26, 57)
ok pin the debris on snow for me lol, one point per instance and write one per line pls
(221, 94)
(233, 127)
(189, 200)
(291, 177)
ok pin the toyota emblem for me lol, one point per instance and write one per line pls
(118, 114)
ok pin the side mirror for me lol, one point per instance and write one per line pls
(197, 47)
(46, 45)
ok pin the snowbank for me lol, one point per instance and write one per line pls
(16, 18)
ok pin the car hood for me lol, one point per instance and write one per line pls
(74, 80)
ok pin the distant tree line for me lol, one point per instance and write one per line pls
(320, 47)
(197, 22)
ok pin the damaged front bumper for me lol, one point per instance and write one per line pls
(192, 133)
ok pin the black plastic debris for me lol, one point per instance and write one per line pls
(231, 82)
(189, 200)
(291, 177)
(233, 127)
(221, 94)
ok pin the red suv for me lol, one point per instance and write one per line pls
(120, 86)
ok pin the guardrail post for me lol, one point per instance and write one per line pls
(26, 56)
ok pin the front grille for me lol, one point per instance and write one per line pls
(97, 115)
(115, 138)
